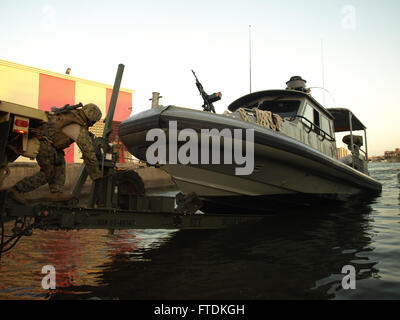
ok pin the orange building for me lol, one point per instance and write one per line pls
(44, 89)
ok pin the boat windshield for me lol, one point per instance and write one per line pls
(285, 108)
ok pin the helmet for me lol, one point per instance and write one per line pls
(92, 112)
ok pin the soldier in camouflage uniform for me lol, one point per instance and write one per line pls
(62, 129)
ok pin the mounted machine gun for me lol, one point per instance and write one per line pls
(207, 99)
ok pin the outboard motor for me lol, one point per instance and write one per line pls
(297, 83)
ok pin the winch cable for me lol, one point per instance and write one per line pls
(16, 236)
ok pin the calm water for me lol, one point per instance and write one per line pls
(291, 256)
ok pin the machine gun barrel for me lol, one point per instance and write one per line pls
(67, 107)
(208, 99)
(199, 86)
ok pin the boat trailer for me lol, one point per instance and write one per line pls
(68, 216)
(63, 217)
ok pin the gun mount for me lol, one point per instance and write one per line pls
(207, 99)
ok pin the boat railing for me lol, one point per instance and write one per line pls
(322, 135)
(313, 127)
(362, 151)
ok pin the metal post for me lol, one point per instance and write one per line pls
(79, 181)
(113, 102)
(366, 144)
(250, 54)
(155, 100)
(323, 72)
(82, 175)
(351, 136)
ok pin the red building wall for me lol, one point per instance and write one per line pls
(124, 104)
(57, 92)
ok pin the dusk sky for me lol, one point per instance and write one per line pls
(159, 42)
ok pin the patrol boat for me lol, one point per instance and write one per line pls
(295, 153)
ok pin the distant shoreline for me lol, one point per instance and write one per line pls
(386, 160)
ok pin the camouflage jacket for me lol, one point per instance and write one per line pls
(52, 131)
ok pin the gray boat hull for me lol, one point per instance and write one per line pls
(286, 171)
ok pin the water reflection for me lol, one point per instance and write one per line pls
(297, 255)
(291, 256)
(78, 257)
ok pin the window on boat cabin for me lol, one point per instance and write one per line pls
(284, 108)
(313, 116)
(326, 125)
(316, 121)
(309, 115)
(252, 106)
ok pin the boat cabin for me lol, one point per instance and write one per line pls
(304, 118)
(307, 121)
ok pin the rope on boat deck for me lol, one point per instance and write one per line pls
(266, 119)
(244, 115)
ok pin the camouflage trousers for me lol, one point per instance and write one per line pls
(52, 170)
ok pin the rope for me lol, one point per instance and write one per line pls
(243, 114)
(278, 121)
(266, 119)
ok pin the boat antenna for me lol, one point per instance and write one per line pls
(250, 54)
(323, 71)
(325, 90)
